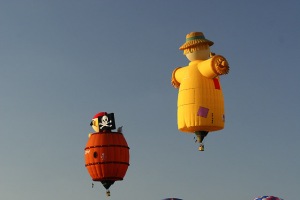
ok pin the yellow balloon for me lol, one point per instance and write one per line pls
(200, 105)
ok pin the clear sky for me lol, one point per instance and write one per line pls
(63, 61)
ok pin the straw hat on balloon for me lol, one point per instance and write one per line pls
(194, 39)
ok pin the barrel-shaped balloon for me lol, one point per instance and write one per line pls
(107, 156)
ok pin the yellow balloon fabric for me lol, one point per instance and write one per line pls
(200, 105)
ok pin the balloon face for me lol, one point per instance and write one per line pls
(202, 54)
(95, 124)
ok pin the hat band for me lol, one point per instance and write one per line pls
(195, 38)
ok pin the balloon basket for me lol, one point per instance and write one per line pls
(201, 147)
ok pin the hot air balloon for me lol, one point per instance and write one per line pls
(200, 105)
(106, 153)
(268, 198)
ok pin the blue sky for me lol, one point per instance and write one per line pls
(63, 61)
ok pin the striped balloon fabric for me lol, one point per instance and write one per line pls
(268, 198)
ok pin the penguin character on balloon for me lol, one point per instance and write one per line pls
(200, 105)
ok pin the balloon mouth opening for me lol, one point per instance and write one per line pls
(107, 183)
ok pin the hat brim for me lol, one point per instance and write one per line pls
(196, 42)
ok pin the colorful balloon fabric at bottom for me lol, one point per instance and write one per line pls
(268, 198)
(172, 199)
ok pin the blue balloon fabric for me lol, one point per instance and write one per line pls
(268, 198)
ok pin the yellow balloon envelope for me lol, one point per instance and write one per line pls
(200, 106)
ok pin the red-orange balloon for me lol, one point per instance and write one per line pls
(107, 157)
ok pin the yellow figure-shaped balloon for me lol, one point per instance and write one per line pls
(200, 106)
